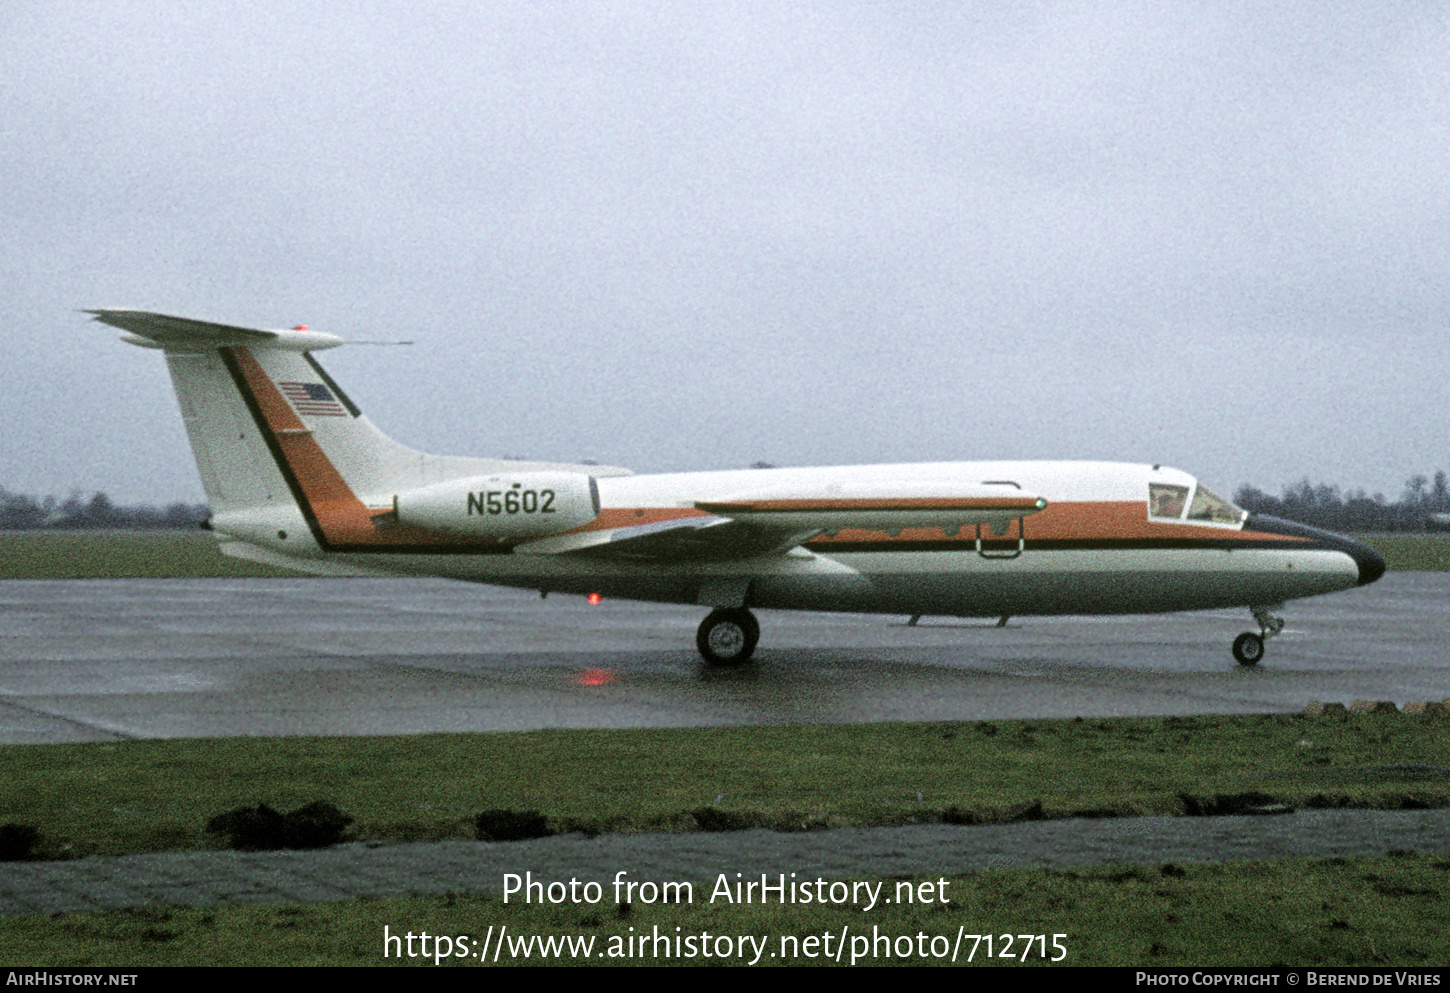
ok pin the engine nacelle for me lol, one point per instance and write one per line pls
(513, 506)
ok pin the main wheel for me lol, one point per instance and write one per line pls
(727, 637)
(1248, 648)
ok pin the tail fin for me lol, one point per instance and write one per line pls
(279, 444)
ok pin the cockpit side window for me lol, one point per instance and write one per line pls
(1166, 501)
(1209, 506)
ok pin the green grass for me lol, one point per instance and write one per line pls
(1412, 552)
(150, 795)
(1373, 911)
(120, 555)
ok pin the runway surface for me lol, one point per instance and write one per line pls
(107, 659)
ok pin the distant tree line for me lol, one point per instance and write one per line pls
(18, 512)
(1420, 507)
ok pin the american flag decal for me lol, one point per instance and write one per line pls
(312, 399)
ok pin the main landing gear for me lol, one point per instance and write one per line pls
(728, 636)
(1249, 647)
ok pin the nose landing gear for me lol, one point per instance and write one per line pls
(1249, 647)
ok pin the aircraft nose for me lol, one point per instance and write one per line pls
(1371, 563)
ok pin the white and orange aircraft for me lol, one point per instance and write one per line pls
(297, 476)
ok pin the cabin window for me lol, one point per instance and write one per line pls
(1165, 500)
(1209, 506)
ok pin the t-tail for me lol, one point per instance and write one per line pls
(290, 464)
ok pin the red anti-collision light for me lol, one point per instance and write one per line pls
(595, 598)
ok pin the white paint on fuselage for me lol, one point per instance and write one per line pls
(1056, 481)
(956, 582)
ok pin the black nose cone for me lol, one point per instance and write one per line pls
(1371, 563)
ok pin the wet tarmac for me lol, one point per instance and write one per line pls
(111, 659)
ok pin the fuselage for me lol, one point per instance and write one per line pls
(1113, 538)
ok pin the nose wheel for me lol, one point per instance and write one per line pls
(727, 637)
(1249, 647)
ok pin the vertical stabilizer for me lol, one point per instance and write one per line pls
(236, 468)
(282, 450)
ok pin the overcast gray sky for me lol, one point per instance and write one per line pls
(691, 236)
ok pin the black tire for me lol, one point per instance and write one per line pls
(1248, 648)
(728, 637)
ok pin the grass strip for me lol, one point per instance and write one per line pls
(1412, 552)
(157, 795)
(121, 555)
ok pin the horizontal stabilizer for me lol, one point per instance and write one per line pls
(179, 333)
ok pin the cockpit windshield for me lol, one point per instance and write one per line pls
(1166, 501)
(1209, 506)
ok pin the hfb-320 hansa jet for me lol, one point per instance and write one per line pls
(297, 476)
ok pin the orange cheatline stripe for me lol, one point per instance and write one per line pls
(340, 515)
(1086, 520)
(629, 517)
(1080, 520)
